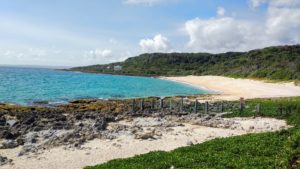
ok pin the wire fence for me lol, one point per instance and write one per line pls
(184, 106)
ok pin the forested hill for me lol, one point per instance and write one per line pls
(278, 63)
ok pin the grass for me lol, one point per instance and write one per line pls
(265, 150)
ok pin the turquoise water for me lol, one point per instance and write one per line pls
(26, 85)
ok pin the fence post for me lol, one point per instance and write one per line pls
(161, 105)
(206, 107)
(280, 110)
(258, 108)
(196, 105)
(152, 103)
(242, 104)
(142, 104)
(133, 104)
(181, 104)
(222, 107)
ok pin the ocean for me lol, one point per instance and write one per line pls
(25, 86)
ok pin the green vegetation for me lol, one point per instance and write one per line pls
(266, 150)
(275, 63)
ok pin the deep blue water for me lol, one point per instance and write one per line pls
(26, 85)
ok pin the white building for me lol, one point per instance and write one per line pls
(118, 67)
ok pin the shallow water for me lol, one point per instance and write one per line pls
(26, 85)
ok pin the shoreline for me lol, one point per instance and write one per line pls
(233, 89)
(214, 92)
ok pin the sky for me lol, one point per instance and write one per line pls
(87, 32)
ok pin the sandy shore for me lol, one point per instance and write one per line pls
(233, 89)
(127, 144)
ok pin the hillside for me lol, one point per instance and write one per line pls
(276, 63)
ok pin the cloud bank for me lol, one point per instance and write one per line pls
(279, 26)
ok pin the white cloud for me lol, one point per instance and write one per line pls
(221, 34)
(283, 24)
(256, 3)
(98, 54)
(104, 56)
(221, 11)
(159, 43)
(277, 3)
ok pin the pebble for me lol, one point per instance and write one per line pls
(189, 143)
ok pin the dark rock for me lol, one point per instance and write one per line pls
(78, 117)
(4, 160)
(29, 120)
(58, 126)
(2, 121)
(100, 124)
(20, 141)
(9, 144)
(31, 138)
(40, 102)
(8, 135)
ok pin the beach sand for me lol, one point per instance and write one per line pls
(126, 145)
(233, 89)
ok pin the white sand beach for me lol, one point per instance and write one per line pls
(233, 89)
(127, 145)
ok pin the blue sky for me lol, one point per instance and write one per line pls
(81, 32)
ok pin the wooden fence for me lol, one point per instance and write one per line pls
(184, 105)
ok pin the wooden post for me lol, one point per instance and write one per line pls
(222, 107)
(126, 108)
(206, 107)
(152, 104)
(196, 105)
(280, 110)
(170, 104)
(242, 104)
(161, 105)
(258, 108)
(133, 105)
(181, 104)
(142, 104)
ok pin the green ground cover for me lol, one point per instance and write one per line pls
(265, 150)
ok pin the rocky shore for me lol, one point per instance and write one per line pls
(35, 130)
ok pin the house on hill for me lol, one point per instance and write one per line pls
(118, 67)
